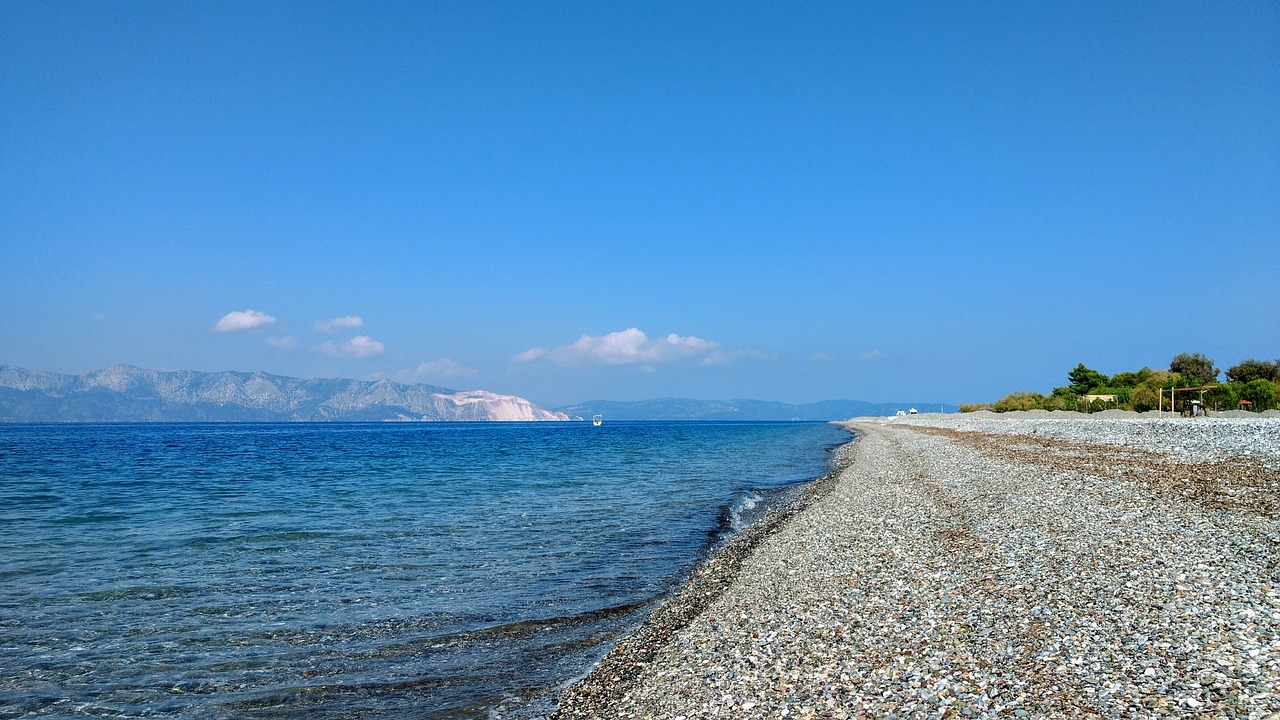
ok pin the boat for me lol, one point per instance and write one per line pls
(598, 420)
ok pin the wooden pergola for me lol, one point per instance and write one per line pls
(1173, 398)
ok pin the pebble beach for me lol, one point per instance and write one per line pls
(985, 566)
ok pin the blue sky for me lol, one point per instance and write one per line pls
(573, 201)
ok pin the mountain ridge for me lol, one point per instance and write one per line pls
(123, 393)
(741, 409)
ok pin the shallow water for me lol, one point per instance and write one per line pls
(352, 570)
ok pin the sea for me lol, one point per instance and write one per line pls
(372, 570)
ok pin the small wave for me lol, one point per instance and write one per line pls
(742, 509)
(526, 627)
(91, 518)
(749, 506)
(140, 592)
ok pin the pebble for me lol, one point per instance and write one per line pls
(984, 567)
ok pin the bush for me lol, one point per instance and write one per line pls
(1140, 391)
(1018, 401)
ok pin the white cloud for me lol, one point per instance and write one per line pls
(718, 357)
(821, 357)
(871, 355)
(247, 320)
(442, 368)
(360, 346)
(346, 321)
(99, 317)
(530, 355)
(284, 343)
(628, 347)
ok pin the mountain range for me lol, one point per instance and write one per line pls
(121, 393)
(688, 409)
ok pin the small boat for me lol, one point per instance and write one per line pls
(598, 420)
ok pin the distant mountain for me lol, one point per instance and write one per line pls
(121, 393)
(687, 409)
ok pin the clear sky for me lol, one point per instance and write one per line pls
(568, 201)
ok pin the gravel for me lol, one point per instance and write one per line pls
(981, 566)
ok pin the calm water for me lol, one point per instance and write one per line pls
(319, 570)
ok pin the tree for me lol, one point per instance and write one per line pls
(1250, 370)
(1195, 367)
(1131, 379)
(1260, 392)
(1053, 402)
(1144, 398)
(1083, 379)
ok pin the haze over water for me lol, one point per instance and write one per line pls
(389, 570)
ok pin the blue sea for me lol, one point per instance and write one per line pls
(446, 570)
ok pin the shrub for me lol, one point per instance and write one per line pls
(1018, 401)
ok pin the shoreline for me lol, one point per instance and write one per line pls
(984, 567)
(590, 695)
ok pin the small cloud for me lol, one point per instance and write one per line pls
(530, 355)
(346, 321)
(99, 317)
(718, 357)
(283, 343)
(871, 355)
(628, 347)
(444, 368)
(248, 320)
(360, 346)
(821, 357)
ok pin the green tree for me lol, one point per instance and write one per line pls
(1194, 367)
(1224, 397)
(1083, 379)
(1249, 370)
(1130, 379)
(1053, 402)
(1260, 392)
(1143, 398)
(1064, 396)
